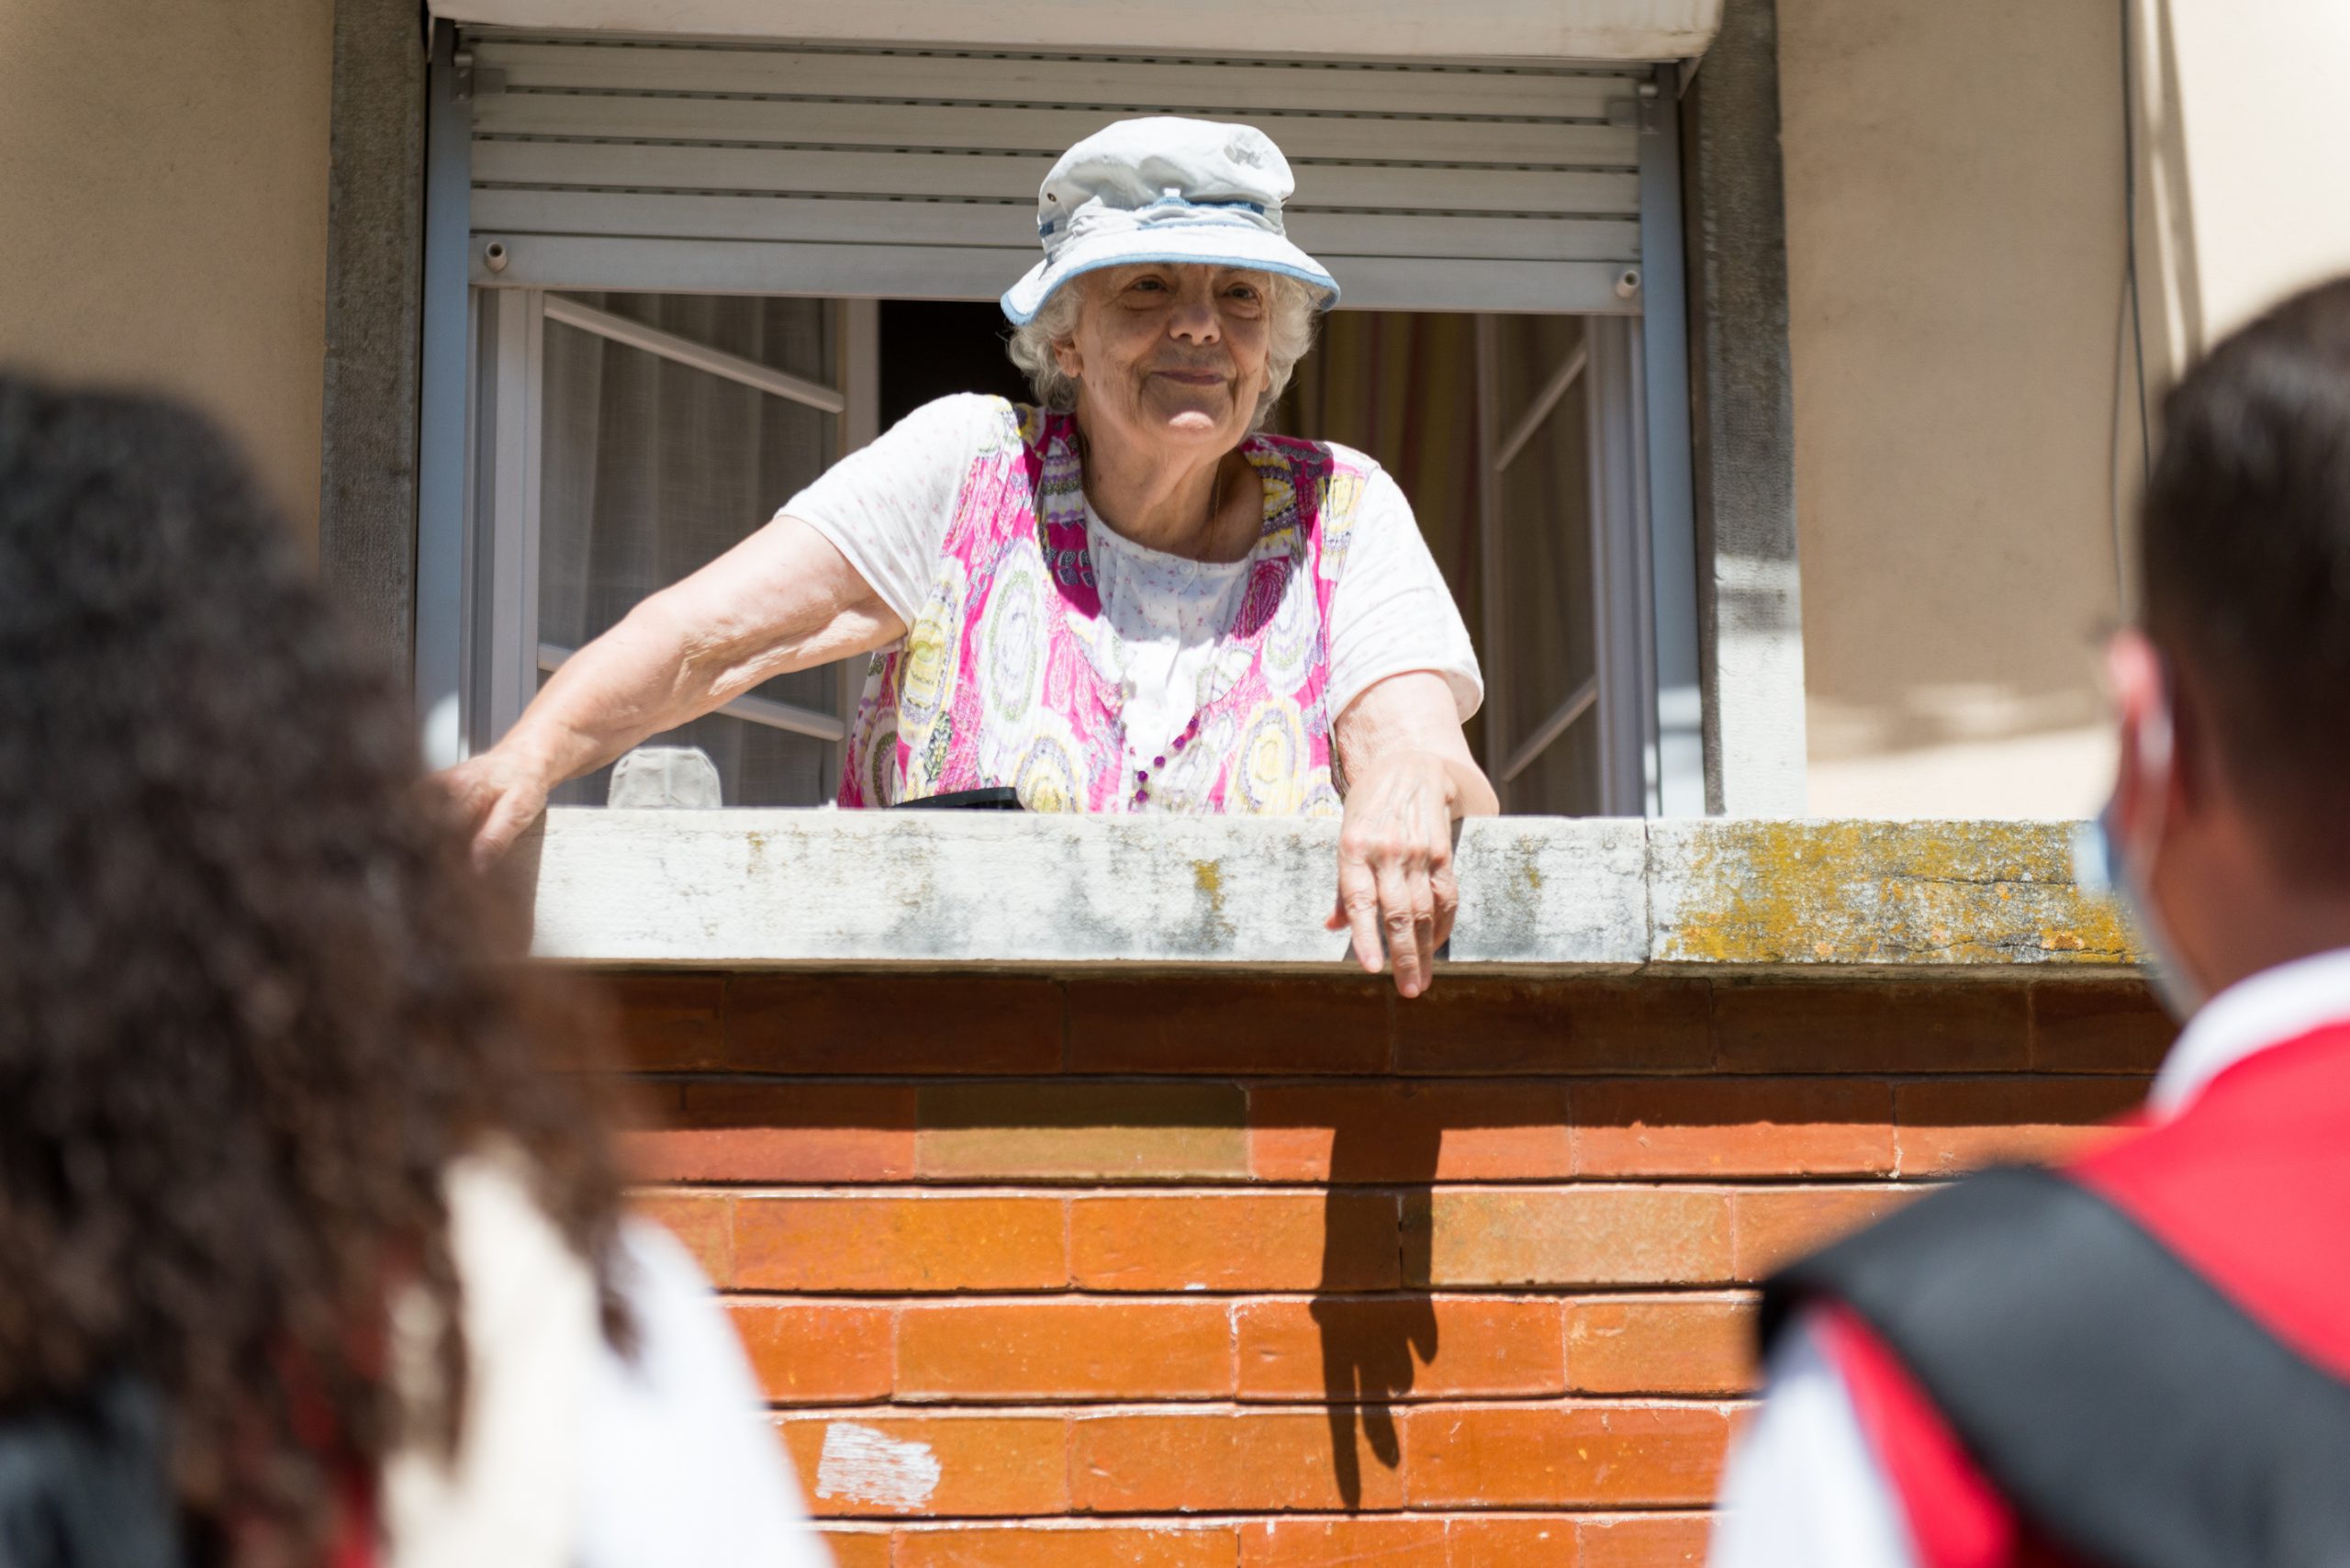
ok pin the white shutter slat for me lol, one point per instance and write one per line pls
(1044, 133)
(877, 171)
(507, 214)
(942, 272)
(624, 263)
(1532, 30)
(1124, 87)
(1014, 177)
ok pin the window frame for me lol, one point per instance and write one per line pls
(476, 653)
(1614, 699)
(505, 655)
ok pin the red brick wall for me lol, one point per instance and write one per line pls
(1264, 1273)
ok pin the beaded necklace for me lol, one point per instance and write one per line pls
(1141, 795)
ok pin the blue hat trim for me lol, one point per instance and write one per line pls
(1046, 226)
(1320, 280)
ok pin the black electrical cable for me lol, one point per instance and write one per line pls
(2135, 321)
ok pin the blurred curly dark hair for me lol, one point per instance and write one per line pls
(252, 1005)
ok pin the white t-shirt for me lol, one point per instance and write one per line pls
(889, 506)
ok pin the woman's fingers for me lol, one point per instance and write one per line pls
(1407, 915)
(469, 798)
(489, 804)
(1395, 879)
(1444, 887)
(508, 821)
(1358, 904)
(1395, 921)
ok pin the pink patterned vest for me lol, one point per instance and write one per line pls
(1008, 676)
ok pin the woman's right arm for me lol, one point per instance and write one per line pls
(783, 600)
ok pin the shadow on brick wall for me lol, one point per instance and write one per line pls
(1368, 1346)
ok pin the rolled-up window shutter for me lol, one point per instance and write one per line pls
(798, 169)
(1394, 29)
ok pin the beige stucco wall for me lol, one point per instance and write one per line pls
(1953, 174)
(1954, 247)
(163, 208)
(2249, 102)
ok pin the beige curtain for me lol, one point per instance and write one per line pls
(1402, 387)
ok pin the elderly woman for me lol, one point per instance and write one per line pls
(1123, 599)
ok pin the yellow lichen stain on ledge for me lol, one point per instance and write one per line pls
(1877, 892)
(1207, 881)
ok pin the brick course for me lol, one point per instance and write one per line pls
(1237, 1242)
(1257, 1272)
(1066, 1349)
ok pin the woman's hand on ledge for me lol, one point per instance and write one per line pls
(493, 800)
(1410, 776)
(1395, 867)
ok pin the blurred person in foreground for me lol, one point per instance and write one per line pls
(2142, 1360)
(306, 1255)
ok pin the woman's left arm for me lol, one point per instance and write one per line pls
(1409, 777)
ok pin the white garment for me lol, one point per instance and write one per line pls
(1803, 1486)
(2260, 1011)
(680, 1463)
(530, 1324)
(1803, 1489)
(888, 508)
(573, 1456)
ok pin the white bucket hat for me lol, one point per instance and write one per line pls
(1165, 189)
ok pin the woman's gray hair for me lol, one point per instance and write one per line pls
(1290, 314)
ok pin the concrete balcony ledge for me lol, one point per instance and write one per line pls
(749, 888)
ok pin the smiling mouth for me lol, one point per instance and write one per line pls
(1191, 377)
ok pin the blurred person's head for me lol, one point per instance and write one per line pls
(251, 1008)
(2234, 690)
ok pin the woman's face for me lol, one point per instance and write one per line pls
(1169, 357)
